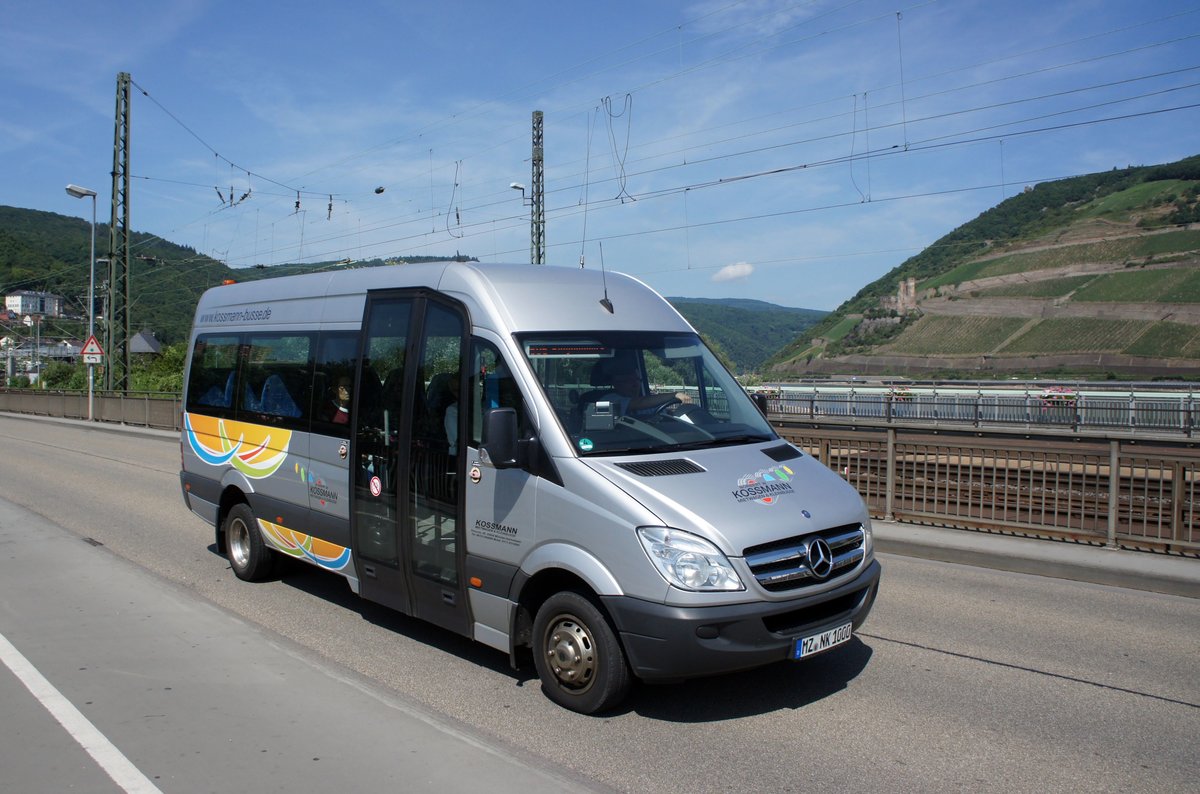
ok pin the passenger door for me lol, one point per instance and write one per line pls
(377, 463)
(407, 529)
(433, 531)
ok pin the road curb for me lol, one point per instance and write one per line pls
(1138, 570)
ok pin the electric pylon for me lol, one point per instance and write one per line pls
(116, 318)
(537, 221)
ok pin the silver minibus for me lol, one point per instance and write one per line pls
(547, 460)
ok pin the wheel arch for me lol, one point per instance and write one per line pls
(551, 568)
(234, 488)
(533, 591)
(575, 561)
(230, 495)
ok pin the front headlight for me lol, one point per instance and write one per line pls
(687, 561)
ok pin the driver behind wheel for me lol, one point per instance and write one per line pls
(626, 387)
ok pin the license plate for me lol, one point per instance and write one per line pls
(810, 646)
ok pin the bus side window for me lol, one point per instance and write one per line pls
(214, 375)
(277, 376)
(218, 397)
(277, 398)
(333, 383)
(492, 386)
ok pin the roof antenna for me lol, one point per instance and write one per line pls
(605, 302)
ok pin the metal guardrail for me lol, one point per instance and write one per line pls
(1070, 408)
(141, 409)
(1115, 492)
(1035, 480)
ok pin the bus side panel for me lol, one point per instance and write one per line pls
(274, 463)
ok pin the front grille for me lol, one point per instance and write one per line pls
(662, 468)
(799, 620)
(783, 565)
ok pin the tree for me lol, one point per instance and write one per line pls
(161, 373)
(61, 375)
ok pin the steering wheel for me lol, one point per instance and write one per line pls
(684, 410)
(653, 404)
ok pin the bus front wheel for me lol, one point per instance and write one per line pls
(578, 656)
(249, 556)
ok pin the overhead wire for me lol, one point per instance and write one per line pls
(215, 153)
(877, 128)
(892, 151)
(723, 157)
(935, 143)
(805, 122)
(735, 4)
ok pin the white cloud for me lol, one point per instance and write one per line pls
(738, 270)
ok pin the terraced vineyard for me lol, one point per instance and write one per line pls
(1138, 286)
(1168, 340)
(960, 336)
(1117, 250)
(1188, 290)
(1078, 335)
(1095, 275)
(1050, 288)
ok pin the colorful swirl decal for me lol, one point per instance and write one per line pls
(257, 452)
(296, 544)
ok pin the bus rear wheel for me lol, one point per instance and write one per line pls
(249, 556)
(578, 656)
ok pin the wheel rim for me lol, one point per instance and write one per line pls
(571, 653)
(239, 542)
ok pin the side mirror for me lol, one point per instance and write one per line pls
(500, 437)
(760, 400)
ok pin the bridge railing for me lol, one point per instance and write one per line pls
(143, 409)
(1078, 410)
(1116, 491)
(1042, 479)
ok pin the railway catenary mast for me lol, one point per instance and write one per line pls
(116, 315)
(537, 221)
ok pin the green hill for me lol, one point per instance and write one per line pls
(747, 331)
(1094, 275)
(44, 251)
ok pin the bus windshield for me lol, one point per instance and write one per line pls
(642, 392)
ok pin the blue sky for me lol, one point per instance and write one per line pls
(784, 151)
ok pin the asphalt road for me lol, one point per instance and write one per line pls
(963, 678)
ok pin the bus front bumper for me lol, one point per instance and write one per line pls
(668, 643)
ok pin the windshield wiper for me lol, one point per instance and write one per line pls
(719, 441)
(602, 451)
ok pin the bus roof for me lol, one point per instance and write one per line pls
(508, 298)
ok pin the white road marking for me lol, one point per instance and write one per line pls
(110, 759)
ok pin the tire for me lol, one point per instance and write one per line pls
(248, 554)
(578, 656)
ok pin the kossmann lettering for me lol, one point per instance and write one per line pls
(481, 524)
(755, 491)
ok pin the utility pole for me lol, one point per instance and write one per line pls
(116, 315)
(537, 218)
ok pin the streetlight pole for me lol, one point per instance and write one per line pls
(83, 192)
(34, 321)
